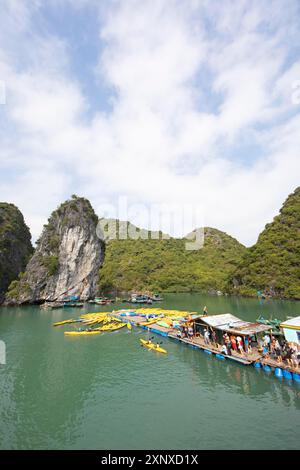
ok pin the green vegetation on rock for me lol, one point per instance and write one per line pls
(15, 245)
(51, 263)
(166, 265)
(272, 265)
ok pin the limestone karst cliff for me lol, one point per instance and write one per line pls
(67, 258)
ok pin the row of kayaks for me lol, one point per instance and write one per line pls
(144, 343)
(113, 326)
(107, 323)
(95, 323)
(166, 313)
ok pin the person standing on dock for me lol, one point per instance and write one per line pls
(239, 343)
(206, 336)
(205, 311)
(267, 341)
(278, 351)
(233, 343)
(227, 343)
(214, 337)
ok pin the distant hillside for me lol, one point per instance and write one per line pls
(166, 265)
(15, 245)
(273, 263)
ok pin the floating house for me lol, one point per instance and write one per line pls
(228, 323)
(291, 330)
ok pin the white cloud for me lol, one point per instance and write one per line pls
(189, 80)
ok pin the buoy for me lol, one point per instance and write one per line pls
(267, 368)
(287, 375)
(257, 365)
(207, 351)
(219, 356)
(278, 372)
(296, 377)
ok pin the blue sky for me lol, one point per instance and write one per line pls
(166, 102)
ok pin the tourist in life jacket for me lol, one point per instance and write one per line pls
(233, 343)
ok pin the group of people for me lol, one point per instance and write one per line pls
(231, 343)
(283, 352)
(269, 345)
(187, 331)
(238, 344)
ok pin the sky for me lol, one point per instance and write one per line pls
(169, 105)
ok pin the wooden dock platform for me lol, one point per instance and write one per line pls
(198, 343)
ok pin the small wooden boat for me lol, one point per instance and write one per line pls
(55, 305)
(73, 305)
(157, 298)
(275, 323)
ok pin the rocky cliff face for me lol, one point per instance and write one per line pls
(15, 245)
(67, 258)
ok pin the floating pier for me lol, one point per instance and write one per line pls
(254, 358)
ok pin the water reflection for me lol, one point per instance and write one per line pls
(244, 380)
(59, 392)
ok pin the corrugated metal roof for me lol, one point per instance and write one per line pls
(230, 323)
(293, 323)
(247, 329)
(219, 320)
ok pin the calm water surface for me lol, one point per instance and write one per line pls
(105, 392)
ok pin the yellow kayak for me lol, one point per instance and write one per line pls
(111, 327)
(81, 333)
(152, 346)
(92, 322)
(59, 323)
(150, 322)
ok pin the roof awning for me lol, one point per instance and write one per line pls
(292, 323)
(229, 323)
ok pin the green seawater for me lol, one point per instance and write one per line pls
(106, 392)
